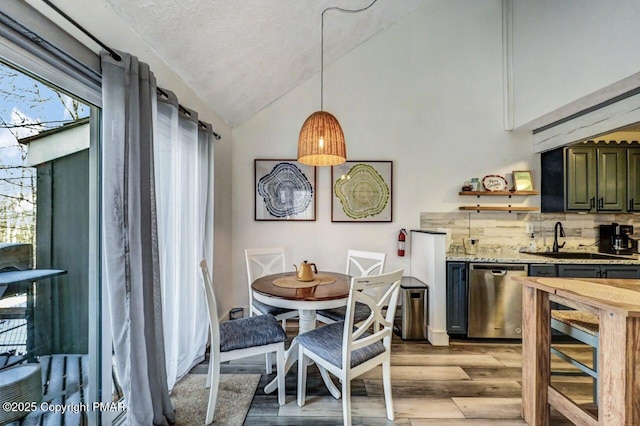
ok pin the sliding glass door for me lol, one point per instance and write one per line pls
(50, 302)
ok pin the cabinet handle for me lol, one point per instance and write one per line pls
(600, 202)
(631, 204)
(592, 202)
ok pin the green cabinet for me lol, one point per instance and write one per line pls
(457, 297)
(620, 271)
(581, 178)
(633, 179)
(597, 179)
(612, 179)
(579, 271)
(599, 271)
(542, 270)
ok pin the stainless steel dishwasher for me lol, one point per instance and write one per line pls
(495, 300)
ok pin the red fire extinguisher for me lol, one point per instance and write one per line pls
(402, 238)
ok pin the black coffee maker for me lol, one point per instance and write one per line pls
(616, 239)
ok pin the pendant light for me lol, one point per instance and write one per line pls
(321, 141)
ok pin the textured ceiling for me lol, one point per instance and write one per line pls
(241, 55)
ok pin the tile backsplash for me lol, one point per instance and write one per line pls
(502, 231)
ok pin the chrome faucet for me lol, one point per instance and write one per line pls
(557, 227)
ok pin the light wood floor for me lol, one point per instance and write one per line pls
(466, 383)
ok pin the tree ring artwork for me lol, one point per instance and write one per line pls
(362, 192)
(283, 191)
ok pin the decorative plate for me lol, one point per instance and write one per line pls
(494, 183)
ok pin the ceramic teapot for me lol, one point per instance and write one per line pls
(305, 273)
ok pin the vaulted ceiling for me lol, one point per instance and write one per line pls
(241, 55)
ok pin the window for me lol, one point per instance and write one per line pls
(47, 221)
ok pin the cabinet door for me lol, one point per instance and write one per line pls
(542, 270)
(612, 182)
(633, 179)
(620, 271)
(579, 271)
(552, 186)
(457, 297)
(546, 270)
(581, 178)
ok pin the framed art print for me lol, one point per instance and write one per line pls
(522, 180)
(284, 190)
(362, 191)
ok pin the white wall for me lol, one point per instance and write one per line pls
(565, 50)
(425, 93)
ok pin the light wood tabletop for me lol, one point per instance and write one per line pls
(616, 302)
(306, 300)
(339, 289)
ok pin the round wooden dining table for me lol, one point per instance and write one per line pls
(306, 299)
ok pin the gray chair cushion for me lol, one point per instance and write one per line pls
(249, 332)
(268, 309)
(327, 342)
(338, 314)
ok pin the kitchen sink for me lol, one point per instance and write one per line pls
(581, 255)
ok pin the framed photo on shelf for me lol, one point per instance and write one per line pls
(362, 191)
(522, 180)
(284, 190)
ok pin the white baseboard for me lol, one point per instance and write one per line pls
(437, 337)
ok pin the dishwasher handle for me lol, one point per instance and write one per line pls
(498, 273)
(497, 267)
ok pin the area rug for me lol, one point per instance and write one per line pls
(189, 398)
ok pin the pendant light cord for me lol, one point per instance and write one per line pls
(339, 9)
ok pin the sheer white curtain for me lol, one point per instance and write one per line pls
(183, 170)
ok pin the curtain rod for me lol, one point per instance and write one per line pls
(115, 55)
(187, 113)
(112, 52)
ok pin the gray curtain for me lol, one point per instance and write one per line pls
(130, 243)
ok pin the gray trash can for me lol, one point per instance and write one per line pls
(414, 310)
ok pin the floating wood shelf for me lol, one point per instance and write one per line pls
(502, 193)
(500, 208)
(508, 208)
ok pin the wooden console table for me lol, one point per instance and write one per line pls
(617, 304)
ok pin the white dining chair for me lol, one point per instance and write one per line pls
(348, 350)
(239, 338)
(261, 262)
(359, 264)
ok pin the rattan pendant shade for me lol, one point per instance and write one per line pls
(321, 141)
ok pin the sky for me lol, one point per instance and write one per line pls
(30, 105)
